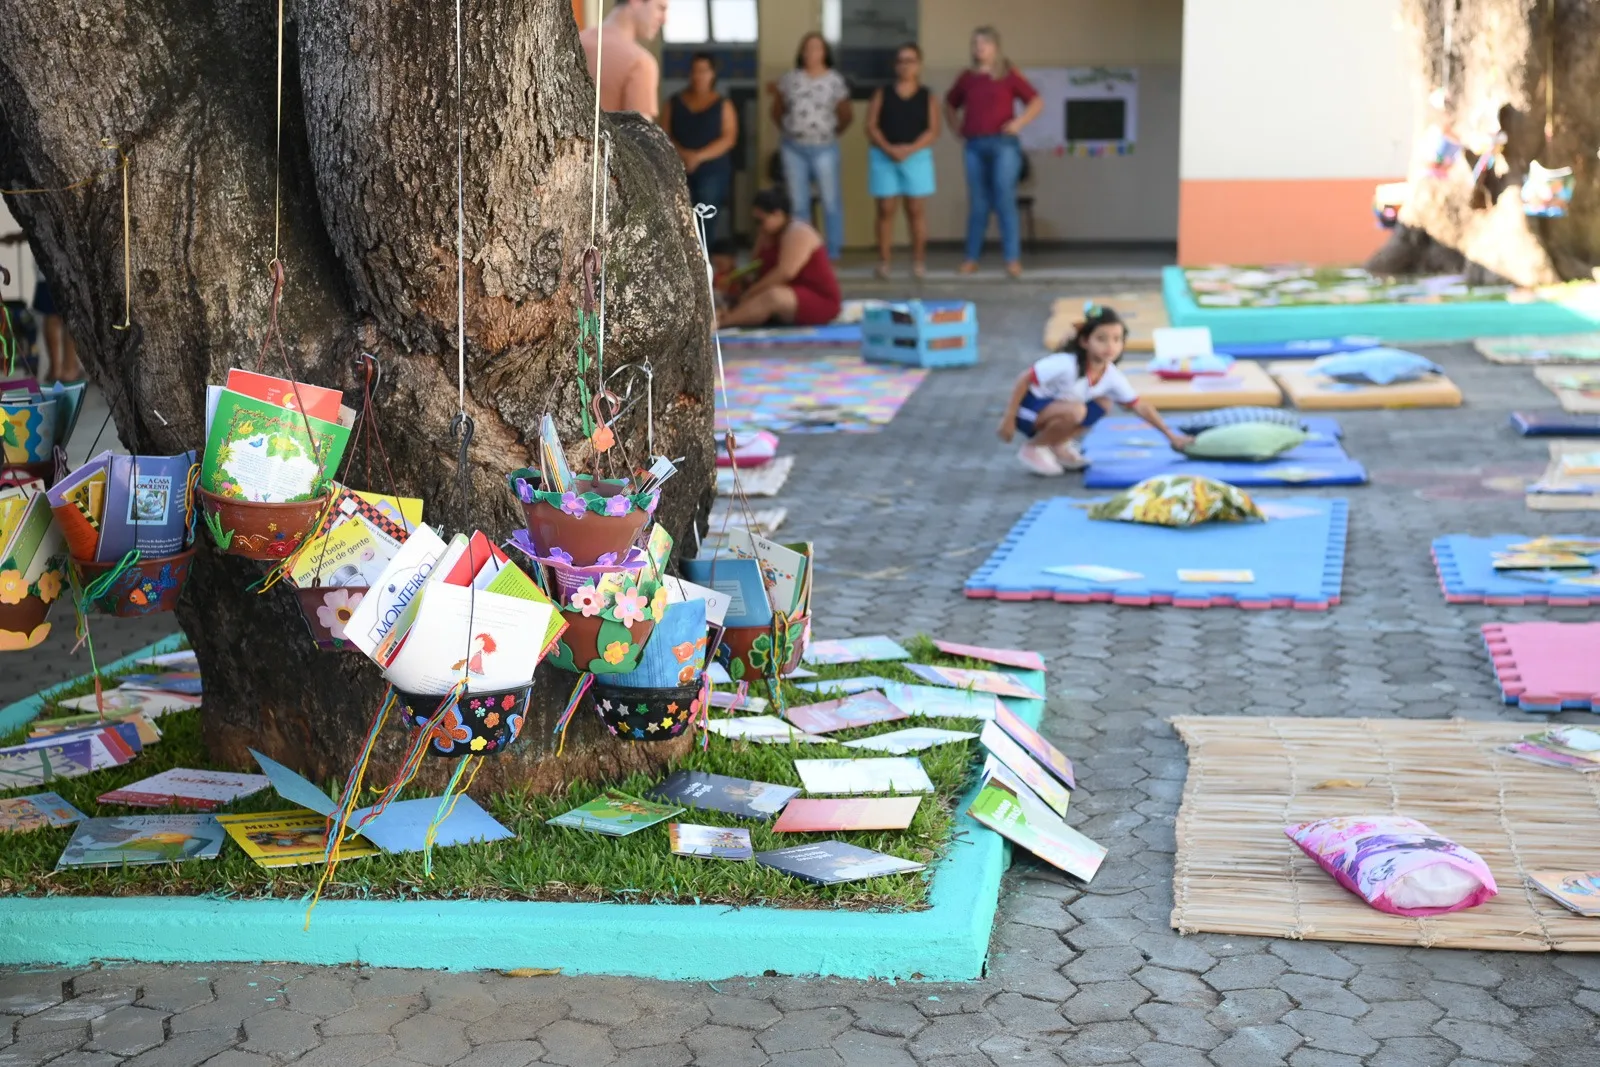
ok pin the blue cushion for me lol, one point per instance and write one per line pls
(1379, 366)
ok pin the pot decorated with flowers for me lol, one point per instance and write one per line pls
(25, 603)
(663, 696)
(327, 610)
(475, 724)
(593, 518)
(752, 652)
(568, 575)
(608, 625)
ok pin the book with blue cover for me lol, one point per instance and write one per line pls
(738, 579)
(145, 507)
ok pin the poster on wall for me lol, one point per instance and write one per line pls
(1088, 111)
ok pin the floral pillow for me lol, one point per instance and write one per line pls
(1179, 500)
(1396, 864)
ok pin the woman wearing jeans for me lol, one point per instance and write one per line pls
(811, 103)
(986, 98)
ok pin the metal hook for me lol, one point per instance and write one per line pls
(372, 368)
(629, 400)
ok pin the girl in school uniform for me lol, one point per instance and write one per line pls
(1061, 396)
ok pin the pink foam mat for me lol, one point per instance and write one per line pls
(1547, 666)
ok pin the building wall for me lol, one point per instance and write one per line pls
(1292, 113)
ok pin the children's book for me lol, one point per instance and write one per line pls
(982, 681)
(261, 452)
(845, 686)
(144, 730)
(390, 599)
(1017, 760)
(716, 792)
(1006, 657)
(738, 580)
(205, 790)
(616, 814)
(1048, 755)
(123, 702)
(1583, 546)
(19, 815)
(709, 842)
(938, 702)
(37, 766)
(487, 639)
(1094, 573)
(314, 400)
(905, 742)
(762, 730)
(111, 744)
(79, 503)
(834, 862)
(289, 838)
(735, 702)
(901, 774)
(783, 569)
(1017, 816)
(182, 660)
(145, 507)
(1513, 561)
(813, 815)
(855, 650)
(1578, 891)
(717, 604)
(860, 709)
(140, 840)
(1241, 577)
(185, 683)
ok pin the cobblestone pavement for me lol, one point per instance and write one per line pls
(1077, 977)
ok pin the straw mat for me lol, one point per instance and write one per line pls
(1582, 490)
(1237, 873)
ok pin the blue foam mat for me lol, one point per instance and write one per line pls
(1297, 562)
(1295, 349)
(1555, 424)
(1126, 451)
(831, 334)
(1467, 575)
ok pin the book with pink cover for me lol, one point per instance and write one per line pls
(803, 814)
(860, 709)
(996, 682)
(1048, 755)
(1006, 657)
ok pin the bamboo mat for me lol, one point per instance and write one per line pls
(1237, 873)
(1557, 477)
(1577, 389)
(1143, 312)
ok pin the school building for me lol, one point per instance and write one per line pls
(1239, 131)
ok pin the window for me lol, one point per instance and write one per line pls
(707, 21)
(687, 23)
(734, 21)
(866, 34)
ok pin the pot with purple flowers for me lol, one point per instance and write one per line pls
(594, 518)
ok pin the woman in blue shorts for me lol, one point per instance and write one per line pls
(902, 124)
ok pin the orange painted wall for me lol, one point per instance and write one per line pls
(577, 12)
(1312, 220)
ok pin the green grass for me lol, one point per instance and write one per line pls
(1324, 280)
(542, 862)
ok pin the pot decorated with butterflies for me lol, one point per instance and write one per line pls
(474, 724)
(259, 531)
(594, 518)
(609, 625)
(750, 652)
(144, 588)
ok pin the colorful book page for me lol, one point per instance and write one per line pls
(289, 838)
(710, 842)
(982, 681)
(616, 814)
(1020, 819)
(813, 815)
(834, 862)
(860, 709)
(1578, 891)
(717, 792)
(1017, 760)
(1051, 757)
(140, 840)
(1006, 657)
(206, 790)
(939, 702)
(20, 815)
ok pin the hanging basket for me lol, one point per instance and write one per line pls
(258, 531)
(569, 577)
(749, 649)
(23, 622)
(597, 645)
(593, 519)
(477, 724)
(648, 714)
(45, 470)
(1546, 193)
(327, 608)
(147, 587)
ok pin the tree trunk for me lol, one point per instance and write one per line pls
(366, 232)
(1490, 60)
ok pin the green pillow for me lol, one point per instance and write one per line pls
(1253, 441)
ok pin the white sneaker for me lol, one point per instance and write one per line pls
(1039, 460)
(1069, 457)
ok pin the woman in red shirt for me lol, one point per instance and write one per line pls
(982, 105)
(796, 285)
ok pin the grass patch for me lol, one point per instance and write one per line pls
(1215, 287)
(542, 862)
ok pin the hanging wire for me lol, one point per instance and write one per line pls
(127, 251)
(1550, 74)
(462, 426)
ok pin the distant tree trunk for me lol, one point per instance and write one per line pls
(1493, 75)
(368, 224)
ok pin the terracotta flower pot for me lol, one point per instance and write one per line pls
(19, 473)
(23, 625)
(147, 587)
(600, 646)
(258, 531)
(750, 651)
(647, 714)
(326, 609)
(477, 724)
(572, 524)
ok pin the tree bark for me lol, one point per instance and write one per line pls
(1493, 76)
(366, 231)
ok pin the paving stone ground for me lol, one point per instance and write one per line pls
(1077, 976)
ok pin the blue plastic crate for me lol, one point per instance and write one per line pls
(933, 333)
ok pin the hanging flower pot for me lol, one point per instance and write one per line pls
(476, 724)
(752, 650)
(255, 530)
(145, 588)
(327, 609)
(1439, 150)
(676, 654)
(607, 632)
(24, 607)
(1546, 193)
(569, 577)
(648, 714)
(45, 470)
(588, 521)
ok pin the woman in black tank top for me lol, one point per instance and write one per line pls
(902, 124)
(704, 128)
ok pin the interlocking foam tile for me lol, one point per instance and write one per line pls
(1467, 575)
(1555, 424)
(834, 333)
(1546, 666)
(1125, 451)
(828, 395)
(1297, 562)
(1310, 391)
(1296, 349)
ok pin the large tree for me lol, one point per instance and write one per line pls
(1529, 68)
(367, 235)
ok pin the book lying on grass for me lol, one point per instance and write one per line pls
(845, 686)
(1016, 815)
(762, 730)
(146, 731)
(901, 774)
(912, 739)
(810, 815)
(735, 702)
(710, 842)
(616, 814)
(846, 713)
(834, 862)
(1005, 657)
(937, 702)
(182, 660)
(107, 747)
(1017, 760)
(186, 683)
(36, 766)
(403, 825)
(718, 792)
(182, 787)
(855, 650)
(19, 815)
(995, 682)
(1051, 757)
(1578, 891)
(289, 838)
(138, 840)
(123, 701)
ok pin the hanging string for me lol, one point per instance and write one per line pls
(461, 427)
(453, 792)
(594, 164)
(1550, 75)
(127, 251)
(277, 170)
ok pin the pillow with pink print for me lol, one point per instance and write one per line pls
(1396, 864)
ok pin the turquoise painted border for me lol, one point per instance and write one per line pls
(948, 941)
(1392, 322)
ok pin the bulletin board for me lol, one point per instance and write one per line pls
(1088, 111)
